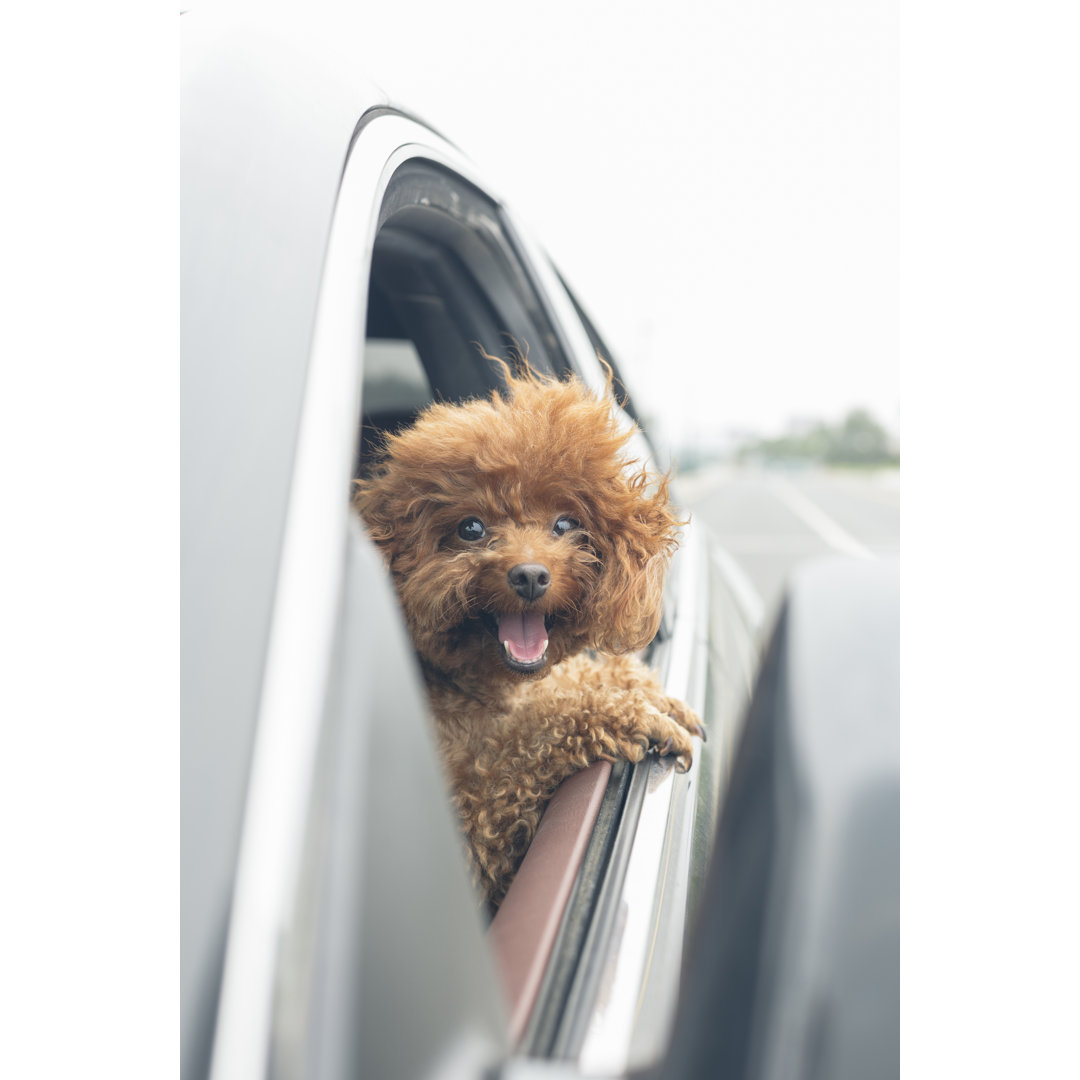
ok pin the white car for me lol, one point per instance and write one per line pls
(339, 261)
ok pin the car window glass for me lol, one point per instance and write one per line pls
(394, 377)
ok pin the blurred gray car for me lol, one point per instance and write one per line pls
(339, 262)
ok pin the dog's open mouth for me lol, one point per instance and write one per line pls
(523, 638)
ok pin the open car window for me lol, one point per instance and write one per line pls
(453, 283)
(448, 284)
(446, 287)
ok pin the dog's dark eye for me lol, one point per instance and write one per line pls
(472, 529)
(564, 525)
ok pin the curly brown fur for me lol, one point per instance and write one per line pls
(571, 545)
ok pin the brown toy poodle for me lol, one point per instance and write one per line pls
(520, 541)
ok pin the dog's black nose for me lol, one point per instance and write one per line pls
(530, 580)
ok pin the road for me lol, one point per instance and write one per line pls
(771, 520)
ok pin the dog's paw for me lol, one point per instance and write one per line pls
(642, 682)
(656, 727)
(683, 715)
(677, 710)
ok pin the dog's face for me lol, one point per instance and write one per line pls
(515, 535)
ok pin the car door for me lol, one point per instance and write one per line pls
(343, 265)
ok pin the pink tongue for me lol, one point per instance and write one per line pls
(524, 635)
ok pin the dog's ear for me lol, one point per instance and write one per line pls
(394, 517)
(633, 549)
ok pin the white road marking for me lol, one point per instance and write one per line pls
(829, 531)
(770, 543)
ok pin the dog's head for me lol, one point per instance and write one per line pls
(518, 533)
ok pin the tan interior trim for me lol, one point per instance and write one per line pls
(524, 928)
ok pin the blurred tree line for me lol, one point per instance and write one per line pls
(858, 439)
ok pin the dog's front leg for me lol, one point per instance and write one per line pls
(625, 672)
(552, 734)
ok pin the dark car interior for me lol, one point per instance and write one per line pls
(446, 287)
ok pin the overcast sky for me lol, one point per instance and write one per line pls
(717, 179)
